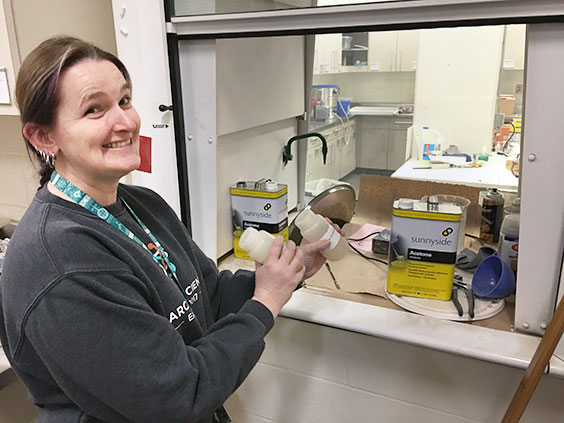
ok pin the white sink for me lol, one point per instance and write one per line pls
(374, 110)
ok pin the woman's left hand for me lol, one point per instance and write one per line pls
(313, 260)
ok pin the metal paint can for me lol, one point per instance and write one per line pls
(262, 205)
(492, 216)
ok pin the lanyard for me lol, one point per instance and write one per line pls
(84, 200)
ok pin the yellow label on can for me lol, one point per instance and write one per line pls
(423, 251)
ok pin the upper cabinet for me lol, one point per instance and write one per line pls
(328, 48)
(393, 51)
(514, 47)
(7, 68)
(382, 48)
(389, 51)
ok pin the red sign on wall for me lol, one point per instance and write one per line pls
(145, 153)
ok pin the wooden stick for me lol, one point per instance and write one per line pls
(536, 367)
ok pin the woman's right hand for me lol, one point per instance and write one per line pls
(278, 277)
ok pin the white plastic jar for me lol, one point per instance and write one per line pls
(256, 243)
(314, 227)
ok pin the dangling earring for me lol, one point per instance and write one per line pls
(48, 159)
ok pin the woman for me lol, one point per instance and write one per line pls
(111, 312)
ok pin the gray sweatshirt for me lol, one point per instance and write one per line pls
(98, 332)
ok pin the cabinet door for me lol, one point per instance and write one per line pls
(382, 48)
(333, 159)
(314, 164)
(408, 50)
(374, 148)
(514, 47)
(397, 141)
(346, 151)
(327, 57)
(350, 152)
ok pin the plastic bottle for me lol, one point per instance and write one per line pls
(314, 227)
(256, 243)
(432, 141)
(514, 207)
(509, 240)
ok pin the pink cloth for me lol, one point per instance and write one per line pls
(366, 244)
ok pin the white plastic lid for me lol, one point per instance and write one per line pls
(248, 239)
(405, 204)
(510, 224)
(271, 186)
(305, 218)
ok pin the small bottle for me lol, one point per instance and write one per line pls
(314, 227)
(514, 207)
(509, 240)
(256, 243)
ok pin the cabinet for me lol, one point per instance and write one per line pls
(514, 47)
(383, 141)
(7, 65)
(341, 154)
(354, 51)
(388, 51)
(327, 58)
(393, 51)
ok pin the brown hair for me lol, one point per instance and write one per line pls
(38, 79)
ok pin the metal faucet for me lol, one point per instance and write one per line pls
(287, 150)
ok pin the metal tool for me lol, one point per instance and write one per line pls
(458, 285)
(332, 275)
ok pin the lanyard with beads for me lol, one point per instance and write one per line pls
(87, 202)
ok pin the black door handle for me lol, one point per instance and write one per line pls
(164, 108)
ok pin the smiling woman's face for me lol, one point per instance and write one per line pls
(96, 127)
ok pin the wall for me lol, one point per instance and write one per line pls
(260, 92)
(315, 374)
(370, 87)
(35, 21)
(456, 84)
(508, 81)
(19, 179)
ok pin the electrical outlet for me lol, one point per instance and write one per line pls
(518, 88)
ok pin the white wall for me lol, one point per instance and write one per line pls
(456, 84)
(315, 374)
(260, 91)
(372, 87)
(259, 81)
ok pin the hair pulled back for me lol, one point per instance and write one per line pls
(38, 79)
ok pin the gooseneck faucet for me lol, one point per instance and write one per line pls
(287, 150)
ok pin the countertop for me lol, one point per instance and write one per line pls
(493, 173)
(378, 111)
(362, 110)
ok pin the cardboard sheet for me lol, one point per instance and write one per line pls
(356, 274)
(377, 194)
